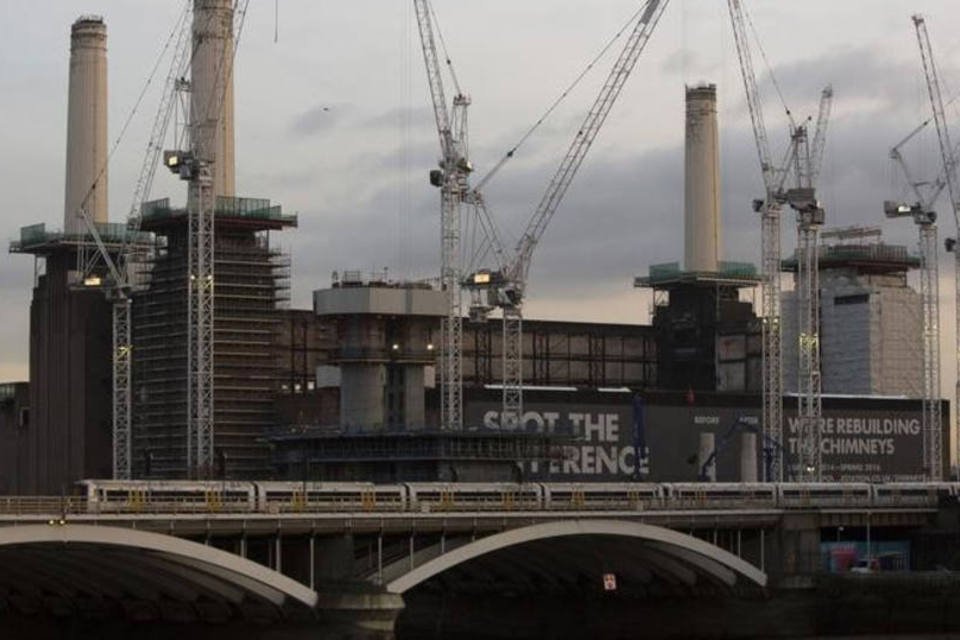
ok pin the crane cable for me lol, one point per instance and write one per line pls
(138, 102)
(443, 45)
(509, 154)
(766, 63)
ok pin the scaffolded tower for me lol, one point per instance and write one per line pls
(252, 282)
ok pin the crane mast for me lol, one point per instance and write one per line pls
(122, 346)
(925, 218)
(452, 179)
(810, 217)
(930, 295)
(933, 447)
(769, 210)
(802, 160)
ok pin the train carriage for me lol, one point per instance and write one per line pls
(168, 496)
(473, 496)
(586, 496)
(720, 495)
(803, 495)
(282, 497)
(910, 494)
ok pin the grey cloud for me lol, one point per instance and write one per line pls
(318, 119)
(418, 117)
(855, 73)
(687, 61)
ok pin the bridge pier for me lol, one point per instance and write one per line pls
(347, 612)
(795, 549)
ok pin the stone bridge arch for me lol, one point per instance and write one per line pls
(72, 563)
(638, 549)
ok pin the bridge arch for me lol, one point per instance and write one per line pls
(670, 553)
(73, 561)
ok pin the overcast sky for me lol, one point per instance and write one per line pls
(333, 122)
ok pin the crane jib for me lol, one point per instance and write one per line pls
(651, 7)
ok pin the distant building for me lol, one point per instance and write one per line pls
(870, 321)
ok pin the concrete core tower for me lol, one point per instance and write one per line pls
(86, 174)
(211, 84)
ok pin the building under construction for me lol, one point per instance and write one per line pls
(870, 318)
(252, 281)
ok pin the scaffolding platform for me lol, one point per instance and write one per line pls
(252, 213)
(37, 240)
(669, 275)
(877, 258)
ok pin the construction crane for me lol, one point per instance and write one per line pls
(810, 217)
(504, 286)
(921, 210)
(121, 266)
(804, 164)
(925, 218)
(123, 271)
(452, 180)
(933, 449)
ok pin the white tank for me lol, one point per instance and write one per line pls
(211, 80)
(86, 172)
(701, 219)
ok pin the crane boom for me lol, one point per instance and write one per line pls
(751, 92)
(434, 77)
(585, 136)
(933, 443)
(820, 133)
(161, 122)
(514, 275)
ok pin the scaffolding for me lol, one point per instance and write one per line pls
(252, 283)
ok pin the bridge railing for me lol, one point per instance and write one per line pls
(42, 505)
(78, 505)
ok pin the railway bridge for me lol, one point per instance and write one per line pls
(348, 567)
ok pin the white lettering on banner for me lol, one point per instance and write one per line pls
(862, 426)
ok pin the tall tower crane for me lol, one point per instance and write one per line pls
(933, 450)
(800, 161)
(508, 283)
(810, 217)
(122, 266)
(503, 285)
(925, 218)
(452, 179)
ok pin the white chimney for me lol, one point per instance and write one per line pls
(86, 174)
(701, 219)
(211, 82)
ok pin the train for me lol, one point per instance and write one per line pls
(277, 497)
